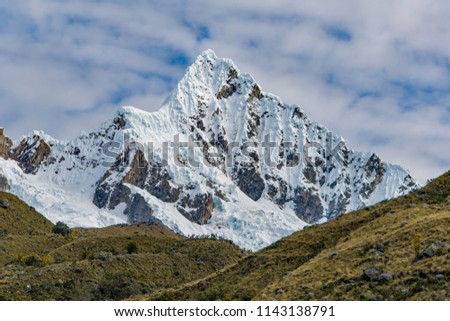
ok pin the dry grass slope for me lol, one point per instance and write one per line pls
(326, 262)
(112, 263)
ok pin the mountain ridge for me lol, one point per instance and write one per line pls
(238, 188)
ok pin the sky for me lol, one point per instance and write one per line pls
(375, 72)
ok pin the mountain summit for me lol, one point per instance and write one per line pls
(220, 157)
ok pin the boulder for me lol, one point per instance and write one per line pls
(385, 277)
(279, 291)
(372, 273)
(104, 256)
(372, 297)
(437, 248)
(379, 245)
(4, 203)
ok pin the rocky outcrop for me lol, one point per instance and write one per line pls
(230, 88)
(310, 174)
(5, 145)
(372, 273)
(138, 210)
(255, 94)
(31, 153)
(226, 91)
(308, 205)
(250, 182)
(435, 249)
(198, 208)
(4, 184)
(155, 179)
(374, 170)
(339, 204)
(139, 169)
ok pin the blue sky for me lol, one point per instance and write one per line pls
(377, 73)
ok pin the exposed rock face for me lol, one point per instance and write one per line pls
(5, 145)
(197, 209)
(138, 210)
(310, 174)
(101, 195)
(339, 204)
(256, 93)
(120, 194)
(137, 175)
(231, 87)
(31, 153)
(159, 185)
(4, 184)
(374, 168)
(226, 91)
(308, 206)
(249, 181)
(154, 179)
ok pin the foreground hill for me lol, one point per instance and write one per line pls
(111, 263)
(395, 250)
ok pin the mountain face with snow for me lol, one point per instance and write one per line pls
(219, 157)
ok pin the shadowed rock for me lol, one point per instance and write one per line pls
(372, 273)
(31, 153)
(4, 184)
(249, 181)
(197, 209)
(4, 203)
(308, 205)
(5, 145)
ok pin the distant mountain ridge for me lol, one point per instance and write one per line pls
(260, 169)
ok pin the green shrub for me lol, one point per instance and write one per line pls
(132, 247)
(48, 260)
(61, 228)
(118, 286)
(31, 260)
(417, 242)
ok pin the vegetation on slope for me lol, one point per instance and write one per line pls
(111, 263)
(395, 250)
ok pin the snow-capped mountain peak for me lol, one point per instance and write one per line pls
(219, 157)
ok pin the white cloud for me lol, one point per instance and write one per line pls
(385, 88)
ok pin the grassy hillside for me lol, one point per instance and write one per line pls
(21, 219)
(111, 263)
(395, 250)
